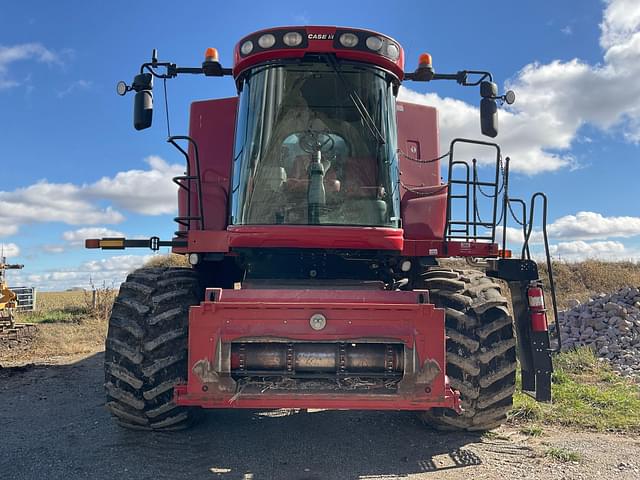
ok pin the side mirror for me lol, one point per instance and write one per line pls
(489, 117)
(488, 109)
(510, 97)
(143, 101)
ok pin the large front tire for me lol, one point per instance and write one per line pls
(146, 348)
(481, 354)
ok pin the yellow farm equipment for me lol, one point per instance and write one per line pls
(8, 303)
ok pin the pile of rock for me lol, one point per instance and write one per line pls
(610, 325)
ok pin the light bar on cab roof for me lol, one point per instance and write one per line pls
(351, 39)
(367, 42)
(277, 38)
(292, 39)
(352, 44)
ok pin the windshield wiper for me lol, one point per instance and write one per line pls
(357, 101)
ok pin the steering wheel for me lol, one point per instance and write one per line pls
(312, 141)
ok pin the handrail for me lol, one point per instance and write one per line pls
(472, 186)
(525, 247)
(189, 177)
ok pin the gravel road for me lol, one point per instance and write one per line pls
(53, 425)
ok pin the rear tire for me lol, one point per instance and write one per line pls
(481, 354)
(146, 348)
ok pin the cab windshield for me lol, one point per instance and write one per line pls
(316, 145)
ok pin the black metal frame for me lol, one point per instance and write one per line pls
(534, 349)
(184, 181)
(472, 186)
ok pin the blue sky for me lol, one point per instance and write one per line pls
(71, 161)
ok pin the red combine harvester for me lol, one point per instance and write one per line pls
(314, 216)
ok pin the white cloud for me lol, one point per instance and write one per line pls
(620, 22)
(555, 100)
(77, 237)
(52, 202)
(53, 248)
(120, 263)
(516, 235)
(149, 192)
(25, 51)
(592, 225)
(523, 138)
(110, 271)
(567, 30)
(75, 86)
(8, 230)
(581, 226)
(579, 250)
(9, 250)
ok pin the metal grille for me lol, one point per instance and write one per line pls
(26, 298)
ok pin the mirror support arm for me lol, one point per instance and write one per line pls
(426, 74)
(208, 68)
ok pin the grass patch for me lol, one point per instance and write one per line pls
(586, 394)
(532, 431)
(560, 454)
(57, 307)
(68, 323)
(66, 315)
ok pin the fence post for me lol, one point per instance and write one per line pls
(94, 299)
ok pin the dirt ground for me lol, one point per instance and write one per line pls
(53, 425)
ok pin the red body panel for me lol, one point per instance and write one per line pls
(440, 248)
(320, 40)
(283, 316)
(298, 236)
(314, 237)
(212, 126)
(423, 197)
(369, 238)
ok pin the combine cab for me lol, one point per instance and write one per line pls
(314, 217)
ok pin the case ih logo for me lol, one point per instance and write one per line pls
(320, 36)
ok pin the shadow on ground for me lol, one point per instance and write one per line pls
(53, 425)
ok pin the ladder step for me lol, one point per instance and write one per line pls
(468, 237)
(471, 184)
(481, 224)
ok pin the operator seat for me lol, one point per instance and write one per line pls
(363, 204)
(298, 178)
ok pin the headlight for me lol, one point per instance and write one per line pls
(393, 52)
(292, 39)
(267, 40)
(374, 43)
(348, 40)
(246, 48)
